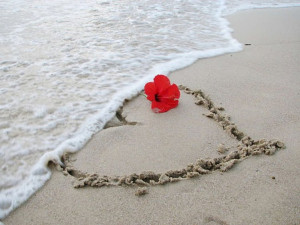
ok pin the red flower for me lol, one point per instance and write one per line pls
(162, 94)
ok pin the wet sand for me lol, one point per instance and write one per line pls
(255, 180)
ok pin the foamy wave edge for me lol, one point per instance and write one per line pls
(264, 6)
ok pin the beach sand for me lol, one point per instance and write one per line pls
(259, 88)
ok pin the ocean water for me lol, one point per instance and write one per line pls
(67, 65)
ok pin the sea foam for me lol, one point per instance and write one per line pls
(67, 66)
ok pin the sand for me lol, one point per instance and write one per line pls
(239, 174)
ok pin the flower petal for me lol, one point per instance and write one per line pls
(161, 82)
(160, 107)
(150, 91)
(172, 92)
(170, 103)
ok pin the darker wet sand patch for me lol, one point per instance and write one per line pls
(246, 147)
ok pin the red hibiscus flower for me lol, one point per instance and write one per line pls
(162, 94)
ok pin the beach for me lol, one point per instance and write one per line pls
(258, 88)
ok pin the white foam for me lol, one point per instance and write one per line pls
(67, 66)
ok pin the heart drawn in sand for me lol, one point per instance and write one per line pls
(246, 147)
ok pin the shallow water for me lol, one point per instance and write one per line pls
(67, 65)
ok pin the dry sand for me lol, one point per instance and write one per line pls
(259, 88)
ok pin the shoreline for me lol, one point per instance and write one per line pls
(117, 149)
